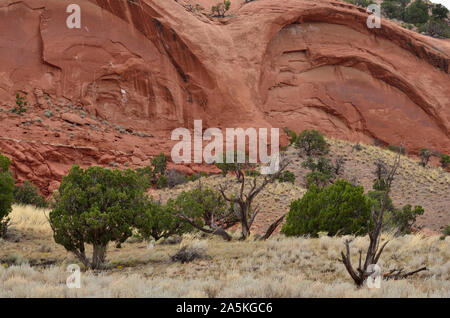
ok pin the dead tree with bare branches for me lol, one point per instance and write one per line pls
(242, 200)
(374, 250)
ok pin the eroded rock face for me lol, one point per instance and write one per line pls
(137, 69)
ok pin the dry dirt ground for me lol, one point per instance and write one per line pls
(32, 265)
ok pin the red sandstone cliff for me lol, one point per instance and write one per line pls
(149, 66)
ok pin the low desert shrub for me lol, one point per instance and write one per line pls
(436, 28)
(21, 105)
(397, 149)
(340, 208)
(252, 173)
(174, 178)
(395, 219)
(159, 163)
(417, 12)
(188, 254)
(156, 221)
(220, 9)
(361, 3)
(287, 176)
(6, 193)
(311, 143)
(393, 9)
(28, 193)
(425, 156)
(201, 207)
(445, 160)
(445, 232)
(162, 182)
(322, 171)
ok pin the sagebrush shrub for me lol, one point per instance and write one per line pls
(188, 254)
(174, 178)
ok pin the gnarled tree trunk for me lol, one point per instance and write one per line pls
(98, 256)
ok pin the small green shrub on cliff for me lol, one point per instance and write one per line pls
(417, 12)
(311, 143)
(445, 232)
(394, 9)
(159, 163)
(361, 3)
(445, 160)
(21, 105)
(439, 12)
(220, 9)
(396, 149)
(436, 28)
(6, 193)
(287, 176)
(425, 156)
(340, 208)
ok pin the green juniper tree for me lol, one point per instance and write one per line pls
(96, 206)
(6, 193)
(311, 143)
(159, 221)
(340, 208)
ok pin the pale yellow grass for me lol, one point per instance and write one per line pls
(26, 217)
(279, 267)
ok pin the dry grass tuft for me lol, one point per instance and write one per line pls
(26, 217)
